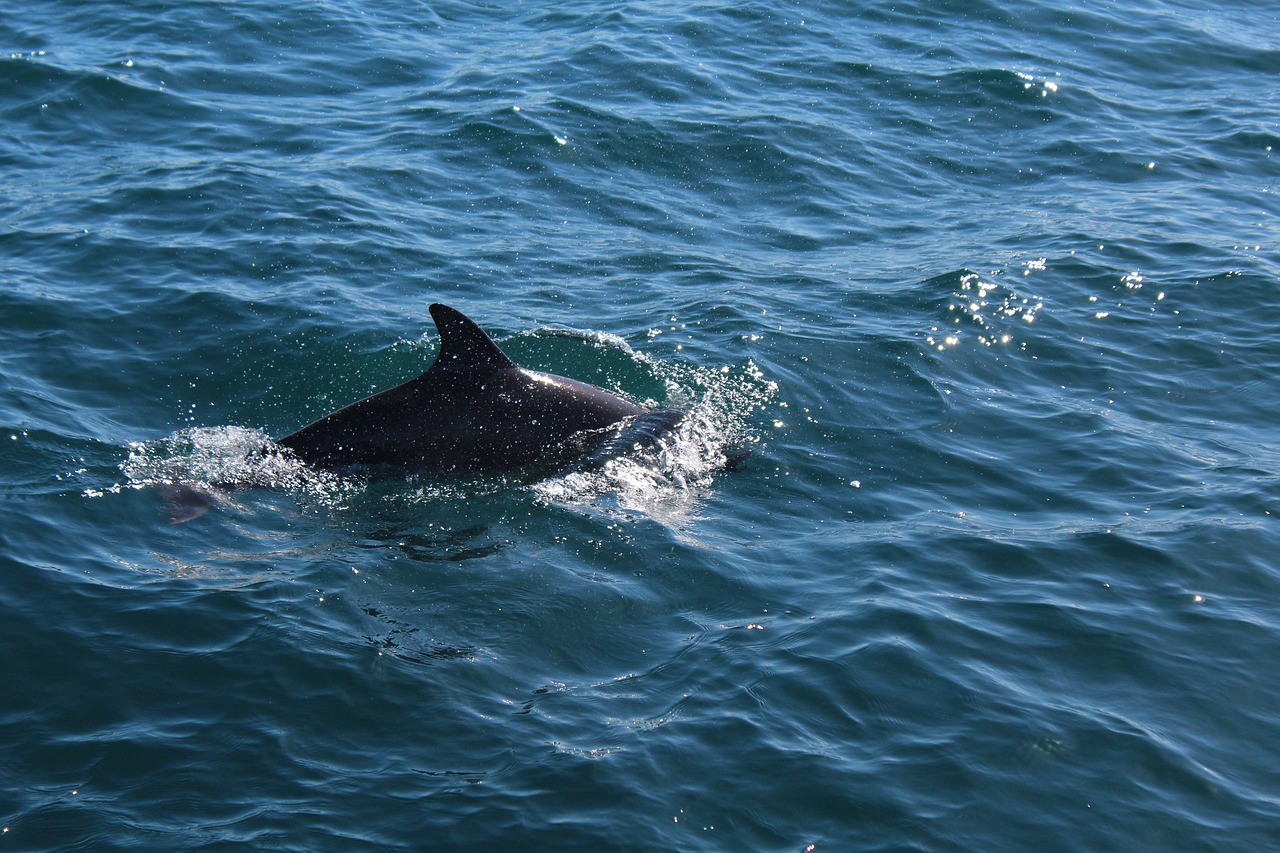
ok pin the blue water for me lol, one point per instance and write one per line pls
(992, 289)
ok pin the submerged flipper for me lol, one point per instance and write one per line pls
(188, 501)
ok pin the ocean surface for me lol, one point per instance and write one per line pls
(992, 291)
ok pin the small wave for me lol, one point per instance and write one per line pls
(209, 462)
(669, 479)
(983, 310)
(664, 481)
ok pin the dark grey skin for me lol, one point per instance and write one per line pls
(474, 411)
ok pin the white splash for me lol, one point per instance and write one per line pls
(229, 457)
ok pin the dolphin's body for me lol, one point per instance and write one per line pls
(474, 411)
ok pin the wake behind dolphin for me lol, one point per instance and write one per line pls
(475, 411)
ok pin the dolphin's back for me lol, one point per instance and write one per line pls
(473, 410)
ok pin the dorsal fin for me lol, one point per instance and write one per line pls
(464, 345)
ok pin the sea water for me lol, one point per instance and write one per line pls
(992, 291)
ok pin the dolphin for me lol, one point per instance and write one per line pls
(475, 411)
